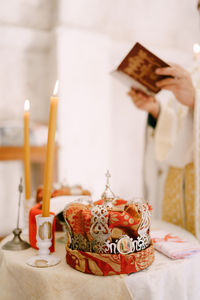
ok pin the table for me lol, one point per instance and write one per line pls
(165, 279)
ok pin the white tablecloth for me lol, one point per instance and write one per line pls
(168, 279)
(19, 281)
(164, 279)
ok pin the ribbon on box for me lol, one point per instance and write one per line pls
(36, 210)
(173, 246)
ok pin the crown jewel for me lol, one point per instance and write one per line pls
(108, 195)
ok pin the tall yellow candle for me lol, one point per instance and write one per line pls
(27, 162)
(50, 152)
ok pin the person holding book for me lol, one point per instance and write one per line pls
(174, 123)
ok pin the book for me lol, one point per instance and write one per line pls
(172, 245)
(137, 69)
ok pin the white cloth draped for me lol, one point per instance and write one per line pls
(165, 279)
(21, 282)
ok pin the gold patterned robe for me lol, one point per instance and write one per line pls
(176, 146)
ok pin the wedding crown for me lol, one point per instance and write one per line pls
(110, 226)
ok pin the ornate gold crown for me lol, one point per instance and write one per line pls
(110, 236)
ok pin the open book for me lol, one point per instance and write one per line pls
(138, 69)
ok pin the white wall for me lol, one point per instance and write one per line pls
(25, 52)
(84, 108)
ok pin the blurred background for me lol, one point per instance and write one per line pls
(80, 43)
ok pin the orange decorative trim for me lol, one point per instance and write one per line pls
(109, 264)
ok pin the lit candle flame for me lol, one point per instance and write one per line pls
(26, 105)
(196, 50)
(55, 92)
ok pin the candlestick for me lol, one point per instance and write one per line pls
(50, 152)
(17, 243)
(27, 162)
(44, 239)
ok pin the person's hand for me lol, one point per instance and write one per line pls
(181, 84)
(145, 102)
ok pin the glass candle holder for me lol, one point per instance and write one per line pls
(44, 240)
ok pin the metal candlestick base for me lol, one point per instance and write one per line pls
(16, 243)
(44, 240)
